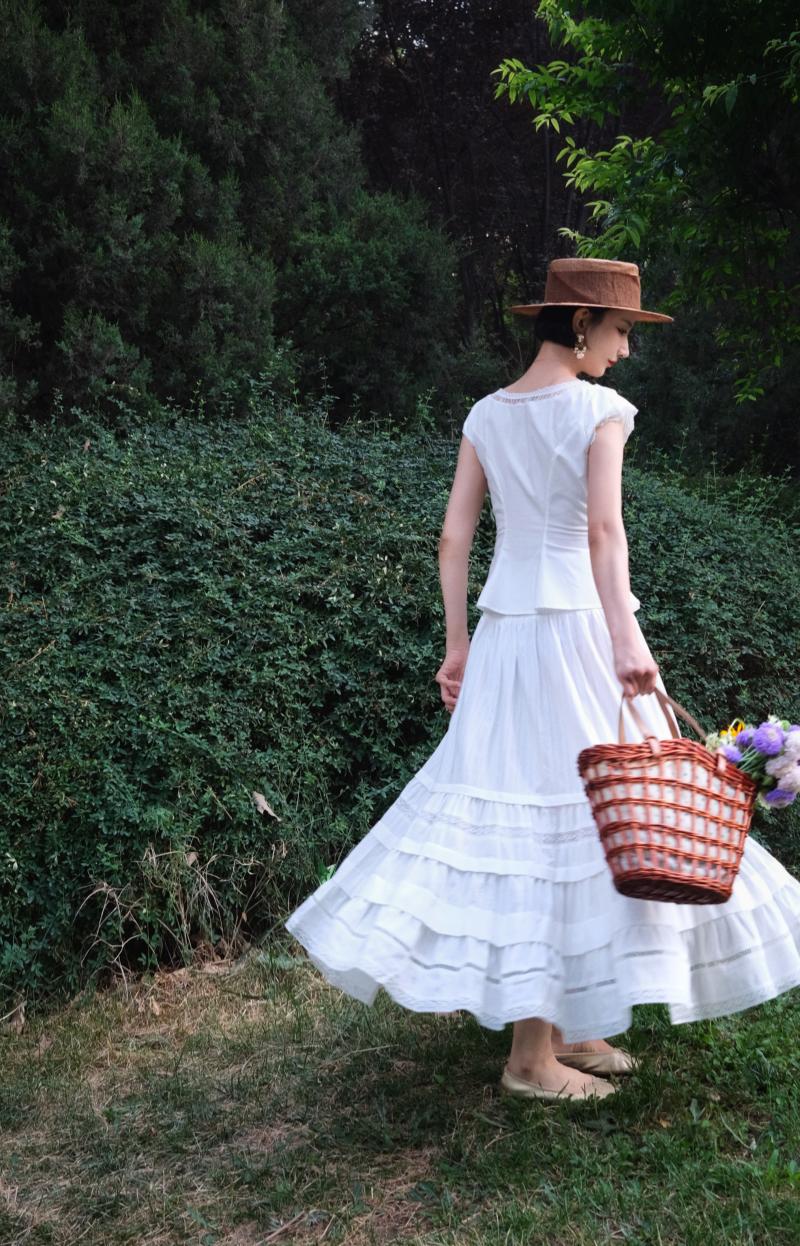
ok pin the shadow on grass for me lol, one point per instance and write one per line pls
(234, 1105)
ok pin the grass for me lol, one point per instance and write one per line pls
(250, 1103)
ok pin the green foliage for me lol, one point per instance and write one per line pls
(682, 384)
(172, 169)
(716, 188)
(195, 612)
(372, 293)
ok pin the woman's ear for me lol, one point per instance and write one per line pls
(580, 320)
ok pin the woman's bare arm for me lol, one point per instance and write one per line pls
(608, 544)
(455, 542)
(464, 506)
(608, 548)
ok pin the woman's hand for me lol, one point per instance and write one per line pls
(635, 666)
(450, 674)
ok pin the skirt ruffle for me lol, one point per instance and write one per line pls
(484, 886)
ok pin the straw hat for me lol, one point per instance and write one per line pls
(593, 283)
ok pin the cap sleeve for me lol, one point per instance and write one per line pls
(612, 406)
(471, 426)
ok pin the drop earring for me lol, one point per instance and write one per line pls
(580, 346)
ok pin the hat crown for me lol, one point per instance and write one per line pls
(593, 283)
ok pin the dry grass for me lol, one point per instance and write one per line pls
(249, 1103)
(159, 1112)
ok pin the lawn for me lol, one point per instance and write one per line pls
(236, 1104)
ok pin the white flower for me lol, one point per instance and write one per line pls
(791, 743)
(776, 765)
(790, 779)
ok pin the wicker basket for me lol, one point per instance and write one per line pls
(673, 817)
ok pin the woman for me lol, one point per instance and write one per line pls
(484, 885)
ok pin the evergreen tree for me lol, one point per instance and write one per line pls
(165, 165)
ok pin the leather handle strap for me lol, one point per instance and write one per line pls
(664, 699)
(637, 718)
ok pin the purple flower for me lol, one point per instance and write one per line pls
(745, 737)
(768, 739)
(778, 798)
(732, 752)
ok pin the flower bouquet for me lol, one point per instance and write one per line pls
(769, 754)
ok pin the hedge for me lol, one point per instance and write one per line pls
(195, 612)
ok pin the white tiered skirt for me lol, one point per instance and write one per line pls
(484, 885)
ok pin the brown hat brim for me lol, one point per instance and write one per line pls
(533, 309)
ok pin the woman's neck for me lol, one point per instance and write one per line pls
(550, 367)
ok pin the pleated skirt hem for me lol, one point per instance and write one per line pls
(589, 995)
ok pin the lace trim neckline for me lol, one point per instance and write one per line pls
(513, 396)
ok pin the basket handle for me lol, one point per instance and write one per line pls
(664, 699)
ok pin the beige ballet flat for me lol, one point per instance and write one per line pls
(617, 1061)
(596, 1089)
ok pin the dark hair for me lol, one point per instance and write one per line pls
(554, 324)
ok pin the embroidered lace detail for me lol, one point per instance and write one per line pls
(612, 415)
(753, 992)
(533, 396)
(722, 1007)
(582, 1020)
(548, 838)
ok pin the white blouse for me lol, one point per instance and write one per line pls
(533, 448)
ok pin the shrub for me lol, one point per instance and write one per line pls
(194, 614)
